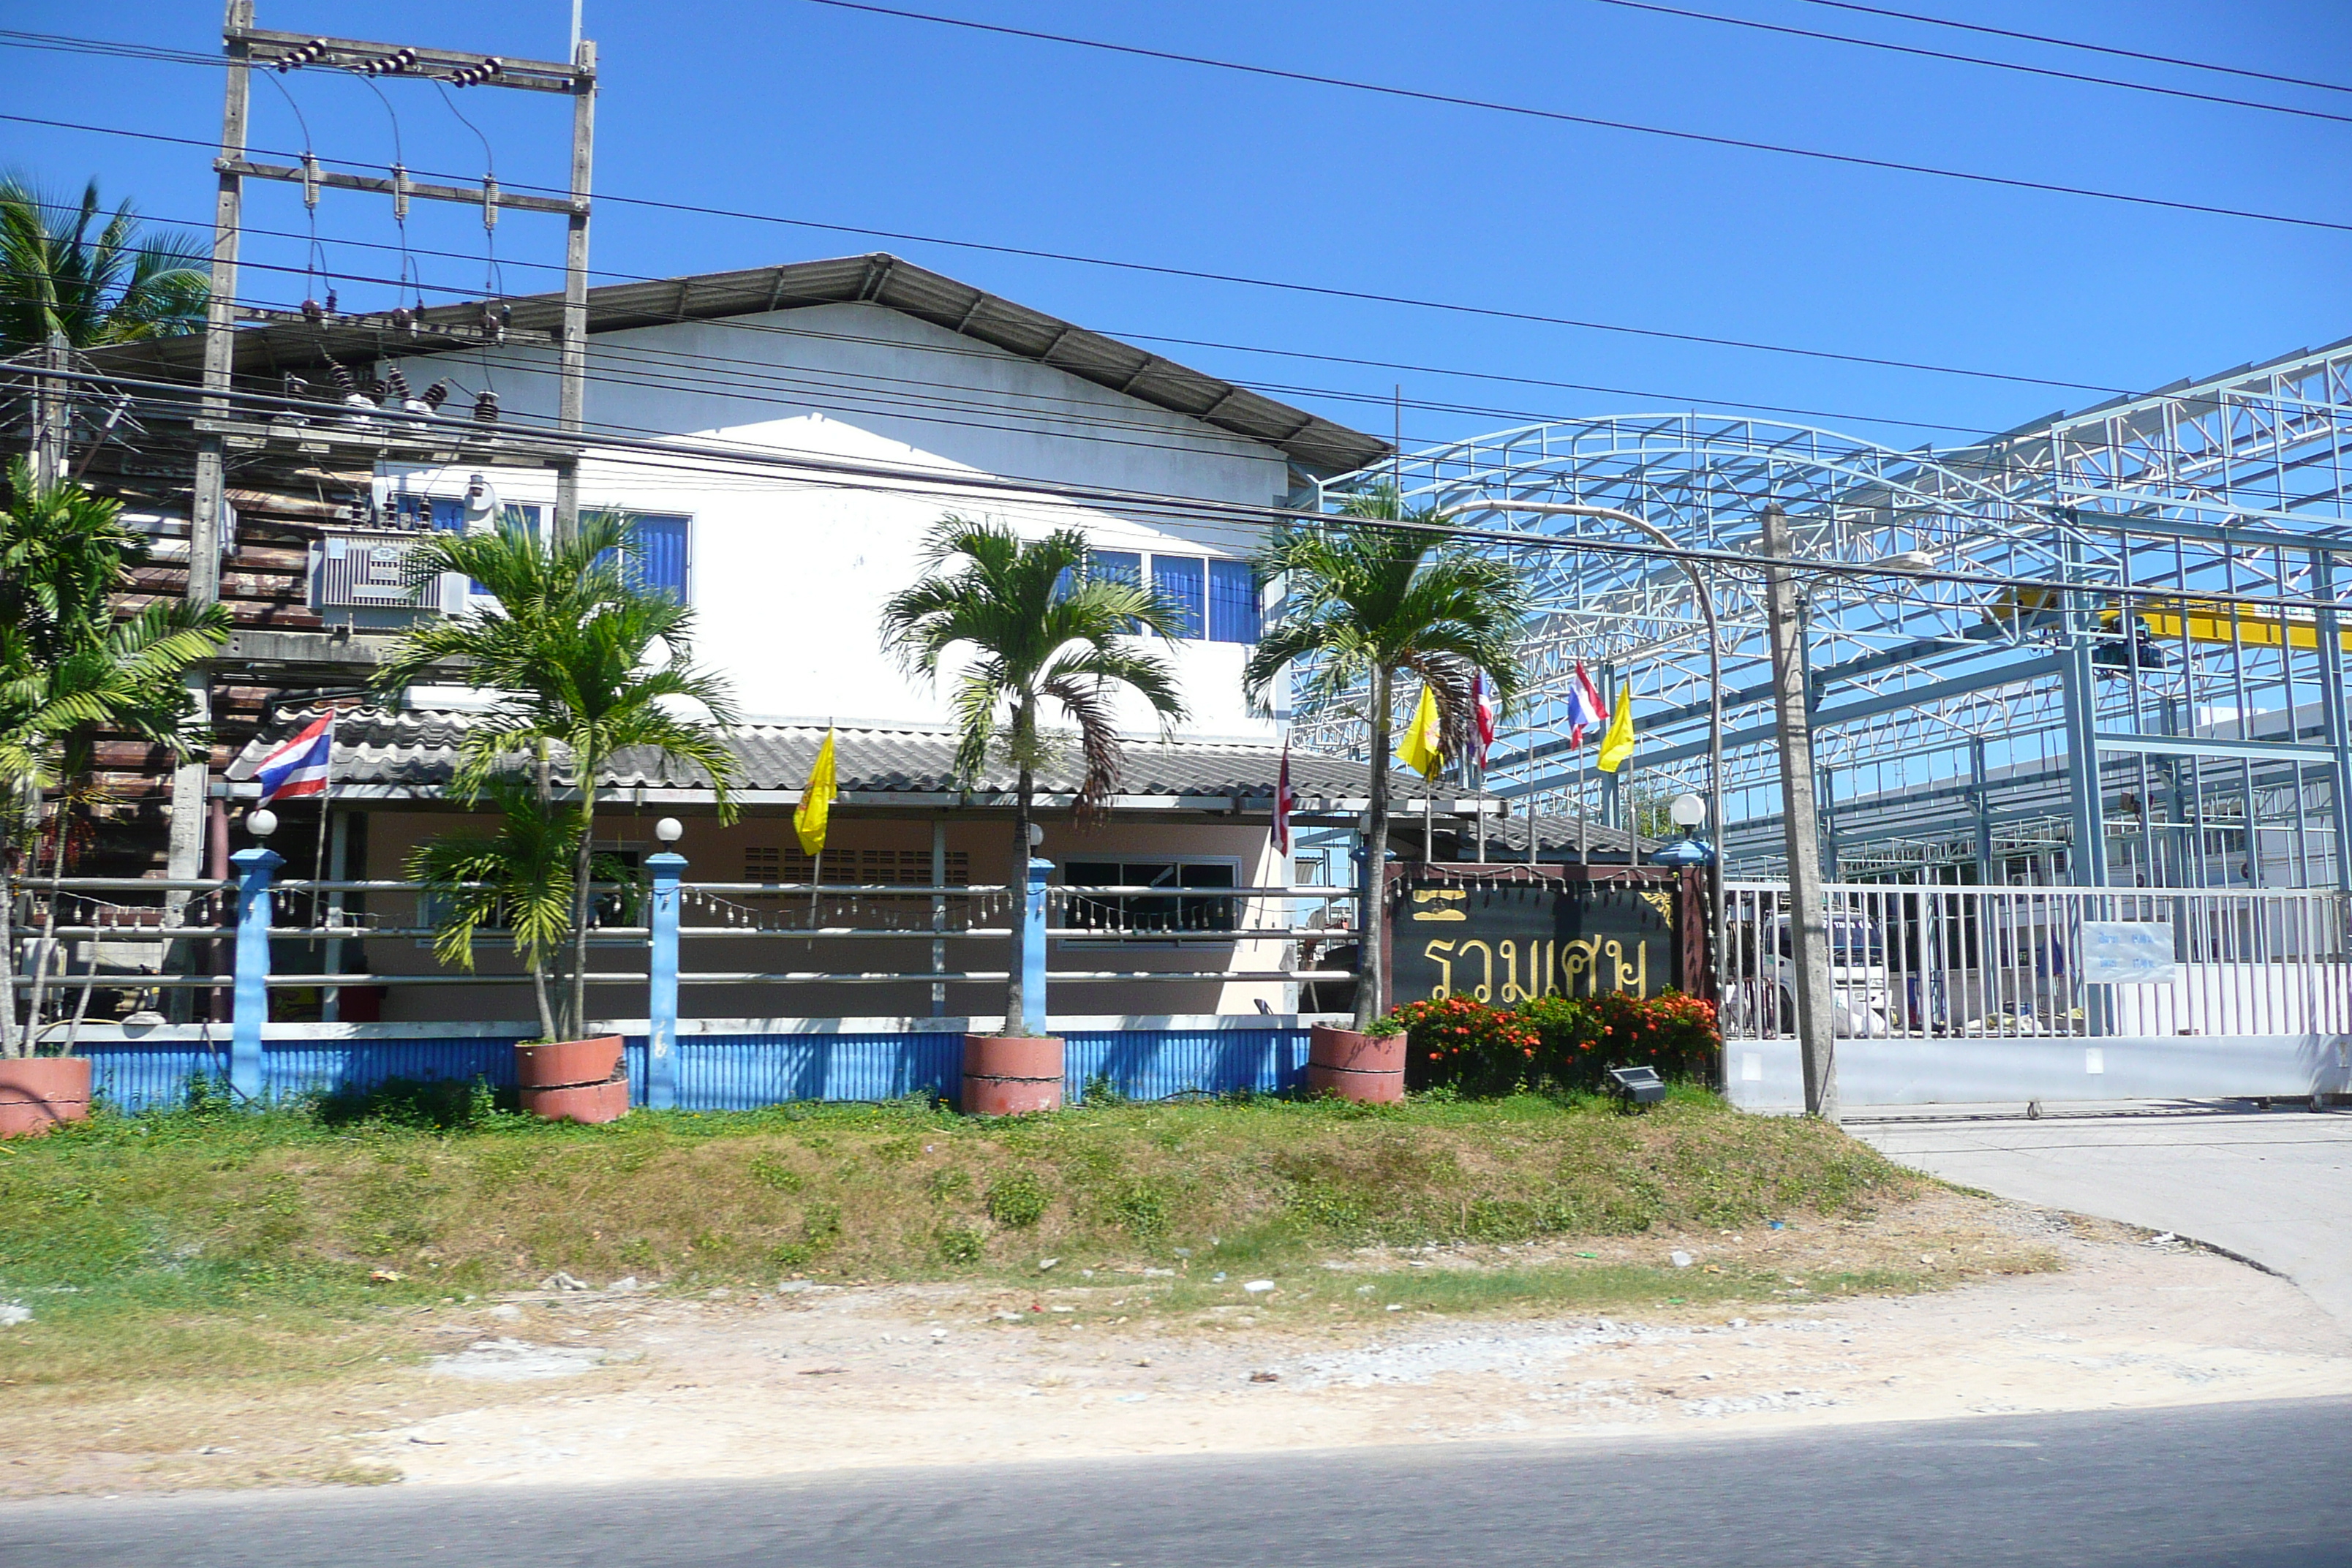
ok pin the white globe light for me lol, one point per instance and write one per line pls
(1037, 835)
(1687, 810)
(261, 822)
(670, 829)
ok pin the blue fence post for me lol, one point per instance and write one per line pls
(661, 998)
(253, 869)
(1032, 952)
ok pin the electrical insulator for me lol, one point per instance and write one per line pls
(345, 383)
(403, 319)
(436, 395)
(401, 60)
(330, 302)
(486, 408)
(314, 312)
(294, 59)
(395, 385)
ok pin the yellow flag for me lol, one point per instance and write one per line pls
(1423, 746)
(815, 809)
(1618, 743)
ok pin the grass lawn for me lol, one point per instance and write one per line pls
(261, 1247)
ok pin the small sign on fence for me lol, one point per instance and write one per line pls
(2128, 953)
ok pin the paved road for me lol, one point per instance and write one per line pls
(2256, 1485)
(2275, 1187)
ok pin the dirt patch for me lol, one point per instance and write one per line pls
(821, 1376)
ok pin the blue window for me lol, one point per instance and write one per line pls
(1179, 580)
(1233, 602)
(1114, 566)
(657, 554)
(449, 514)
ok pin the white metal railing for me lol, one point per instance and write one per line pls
(1942, 962)
(147, 934)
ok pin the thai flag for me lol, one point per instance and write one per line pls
(1585, 708)
(1485, 709)
(1284, 803)
(297, 768)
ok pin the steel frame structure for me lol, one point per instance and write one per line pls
(1957, 724)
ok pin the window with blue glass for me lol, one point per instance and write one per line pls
(657, 554)
(1114, 566)
(1179, 580)
(1233, 602)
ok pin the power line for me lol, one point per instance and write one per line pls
(1490, 106)
(1318, 290)
(664, 450)
(2077, 43)
(1677, 399)
(1976, 60)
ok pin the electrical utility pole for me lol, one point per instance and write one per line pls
(248, 48)
(1808, 910)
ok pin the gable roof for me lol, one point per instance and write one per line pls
(1312, 442)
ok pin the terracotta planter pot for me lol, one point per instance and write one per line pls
(1010, 1075)
(1363, 1087)
(593, 1103)
(567, 1062)
(1346, 1049)
(38, 1092)
(1366, 1068)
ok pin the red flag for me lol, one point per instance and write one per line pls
(1284, 802)
(1486, 711)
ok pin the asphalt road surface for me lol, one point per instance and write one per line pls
(2275, 1187)
(2258, 1485)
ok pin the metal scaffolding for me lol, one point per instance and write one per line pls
(1956, 722)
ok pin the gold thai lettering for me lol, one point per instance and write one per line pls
(1445, 987)
(1580, 956)
(1485, 990)
(1510, 956)
(1640, 985)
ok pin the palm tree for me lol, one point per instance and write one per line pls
(1033, 625)
(1367, 603)
(119, 283)
(570, 652)
(68, 666)
(523, 876)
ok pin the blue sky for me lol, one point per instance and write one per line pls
(803, 112)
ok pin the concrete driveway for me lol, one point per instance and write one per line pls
(2273, 1186)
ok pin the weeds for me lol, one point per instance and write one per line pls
(152, 1245)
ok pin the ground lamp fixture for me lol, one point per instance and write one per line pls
(1637, 1086)
(261, 822)
(669, 830)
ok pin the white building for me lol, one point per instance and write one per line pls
(786, 438)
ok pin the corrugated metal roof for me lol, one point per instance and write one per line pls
(416, 749)
(1313, 442)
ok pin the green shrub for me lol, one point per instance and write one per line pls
(1017, 1201)
(1584, 1036)
(1466, 1046)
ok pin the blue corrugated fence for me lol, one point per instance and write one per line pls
(717, 1071)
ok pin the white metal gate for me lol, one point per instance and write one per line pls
(1983, 993)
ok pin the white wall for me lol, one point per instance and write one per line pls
(789, 572)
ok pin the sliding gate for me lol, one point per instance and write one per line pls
(1968, 995)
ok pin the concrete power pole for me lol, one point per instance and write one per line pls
(192, 780)
(247, 46)
(51, 418)
(1807, 912)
